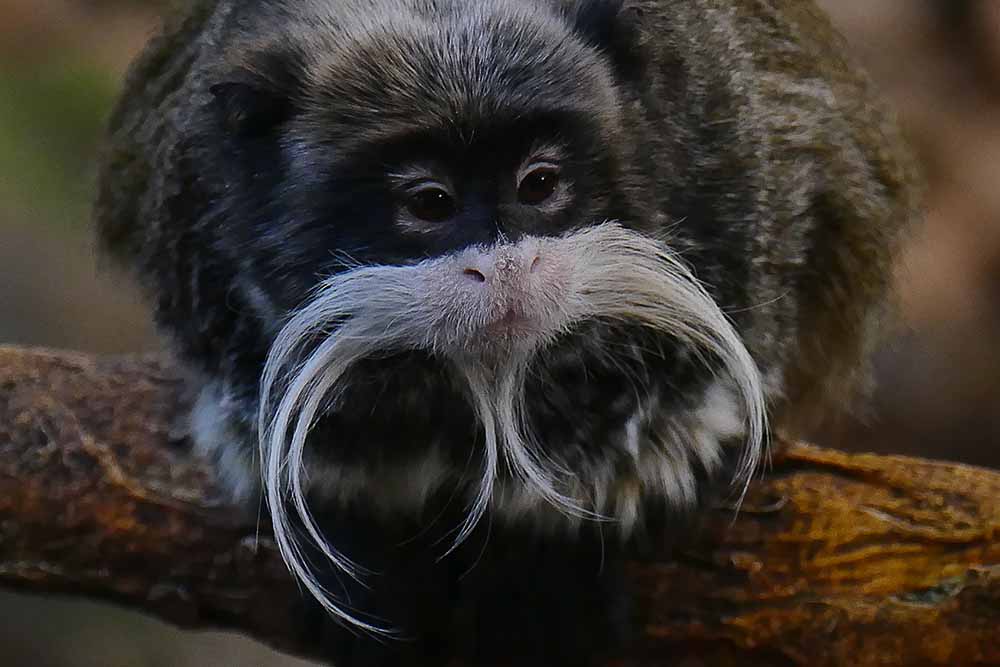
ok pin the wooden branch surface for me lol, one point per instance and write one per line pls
(835, 560)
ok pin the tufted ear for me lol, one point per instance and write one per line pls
(614, 28)
(246, 110)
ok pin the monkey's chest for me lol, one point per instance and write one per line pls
(599, 432)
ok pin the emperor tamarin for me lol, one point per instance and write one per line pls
(473, 291)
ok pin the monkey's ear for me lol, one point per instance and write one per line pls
(614, 28)
(246, 110)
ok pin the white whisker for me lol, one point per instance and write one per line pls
(605, 272)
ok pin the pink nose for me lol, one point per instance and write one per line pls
(500, 266)
(507, 290)
(475, 274)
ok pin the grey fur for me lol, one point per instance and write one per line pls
(758, 194)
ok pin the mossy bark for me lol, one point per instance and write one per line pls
(834, 559)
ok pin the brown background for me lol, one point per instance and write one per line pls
(937, 61)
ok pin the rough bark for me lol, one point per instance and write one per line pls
(835, 559)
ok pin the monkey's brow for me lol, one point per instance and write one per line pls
(546, 149)
(413, 171)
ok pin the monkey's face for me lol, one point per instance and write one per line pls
(416, 137)
(435, 192)
(465, 283)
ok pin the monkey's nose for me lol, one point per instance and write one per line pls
(475, 274)
(499, 267)
(511, 290)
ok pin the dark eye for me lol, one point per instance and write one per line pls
(538, 185)
(431, 204)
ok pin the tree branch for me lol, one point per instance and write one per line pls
(835, 560)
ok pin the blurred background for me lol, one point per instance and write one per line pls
(61, 61)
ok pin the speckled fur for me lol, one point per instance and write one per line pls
(733, 130)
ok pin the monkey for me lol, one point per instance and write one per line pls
(476, 295)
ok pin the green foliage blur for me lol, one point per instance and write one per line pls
(61, 64)
(52, 116)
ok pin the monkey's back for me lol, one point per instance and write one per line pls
(839, 188)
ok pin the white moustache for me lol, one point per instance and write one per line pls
(487, 312)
